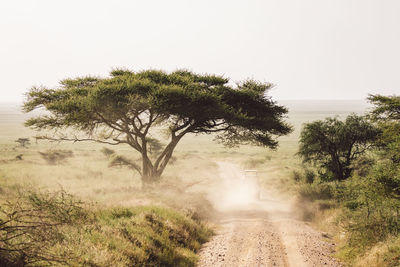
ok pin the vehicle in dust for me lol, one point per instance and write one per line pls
(252, 177)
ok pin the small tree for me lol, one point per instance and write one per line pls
(23, 142)
(333, 145)
(128, 107)
(386, 114)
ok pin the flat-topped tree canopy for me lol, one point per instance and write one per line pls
(124, 107)
(385, 107)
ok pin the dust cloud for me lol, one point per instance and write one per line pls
(235, 191)
(259, 231)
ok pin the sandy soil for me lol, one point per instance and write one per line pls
(260, 232)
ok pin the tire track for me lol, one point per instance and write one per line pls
(259, 233)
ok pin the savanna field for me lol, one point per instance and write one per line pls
(80, 204)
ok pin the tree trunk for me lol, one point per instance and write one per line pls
(147, 167)
(152, 173)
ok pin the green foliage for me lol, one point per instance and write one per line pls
(386, 114)
(392, 256)
(387, 174)
(386, 107)
(372, 209)
(32, 224)
(317, 191)
(370, 198)
(126, 107)
(389, 141)
(296, 176)
(151, 236)
(307, 176)
(43, 229)
(332, 145)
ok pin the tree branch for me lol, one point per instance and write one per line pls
(75, 139)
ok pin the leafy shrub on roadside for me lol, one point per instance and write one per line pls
(32, 224)
(392, 256)
(307, 176)
(372, 206)
(147, 236)
(317, 191)
(296, 176)
(55, 229)
(368, 193)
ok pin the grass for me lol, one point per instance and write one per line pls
(55, 229)
(167, 219)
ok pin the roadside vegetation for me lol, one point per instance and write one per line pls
(84, 212)
(56, 229)
(351, 181)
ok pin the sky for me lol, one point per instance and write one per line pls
(309, 49)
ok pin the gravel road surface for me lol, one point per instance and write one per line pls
(260, 232)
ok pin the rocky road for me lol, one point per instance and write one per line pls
(263, 232)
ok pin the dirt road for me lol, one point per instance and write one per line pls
(259, 232)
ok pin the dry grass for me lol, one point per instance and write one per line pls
(88, 176)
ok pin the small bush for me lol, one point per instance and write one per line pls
(32, 224)
(119, 161)
(23, 142)
(371, 207)
(107, 152)
(307, 176)
(297, 176)
(58, 156)
(317, 191)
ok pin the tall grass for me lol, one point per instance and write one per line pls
(55, 229)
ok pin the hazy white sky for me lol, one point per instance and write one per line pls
(311, 49)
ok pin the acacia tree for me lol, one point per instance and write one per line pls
(386, 114)
(333, 145)
(127, 107)
(385, 107)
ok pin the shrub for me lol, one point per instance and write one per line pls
(307, 176)
(372, 206)
(56, 156)
(23, 142)
(317, 191)
(32, 224)
(392, 256)
(107, 152)
(54, 229)
(117, 160)
(296, 176)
